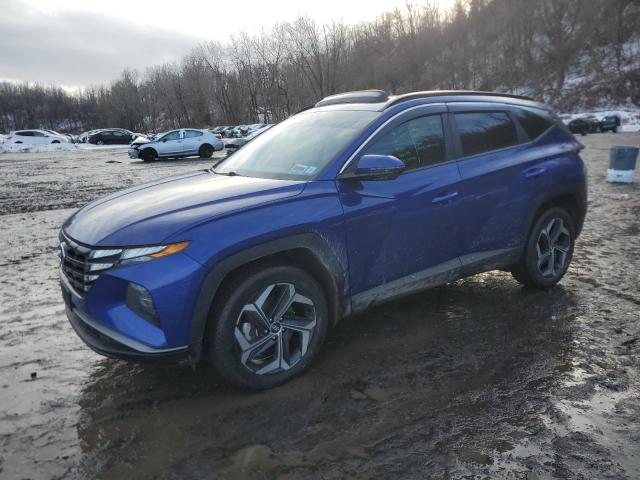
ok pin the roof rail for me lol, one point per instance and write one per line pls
(450, 93)
(359, 96)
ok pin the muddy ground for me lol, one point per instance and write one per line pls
(477, 379)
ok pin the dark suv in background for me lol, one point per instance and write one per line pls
(364, 198)
(610, 123)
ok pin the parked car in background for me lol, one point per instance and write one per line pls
(233, 144)
(36, 137)
(185, 142)
(112, 137)
(584, 125)
(365, 198)
(82, 138)
(68, 136)
(610, 123)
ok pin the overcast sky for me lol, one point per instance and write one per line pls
(77, 43)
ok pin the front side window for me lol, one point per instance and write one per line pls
(175, 135)
(485, 131)
(298, 148)
(418, 142)
(192, 134)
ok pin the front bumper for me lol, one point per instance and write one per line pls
(103, 320)
(133, 153)
(101, 342)
(108, 342)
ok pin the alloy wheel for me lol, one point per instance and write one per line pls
(274, 331)
(553, 246)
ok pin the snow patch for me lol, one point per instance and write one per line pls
(26, 148)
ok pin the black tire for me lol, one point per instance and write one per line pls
(100, 142)
(148, 155)
(206, 151)
(528, 270)
(224, 351)
(55, 141)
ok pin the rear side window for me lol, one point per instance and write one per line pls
(418, 142)
(25, 133)
(485, 131)
(192, 134)
(533, 124)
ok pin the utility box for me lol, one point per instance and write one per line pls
(622, 164)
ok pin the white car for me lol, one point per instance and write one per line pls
(36, 137)
(185, 142)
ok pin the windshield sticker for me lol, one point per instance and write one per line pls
(301, 169)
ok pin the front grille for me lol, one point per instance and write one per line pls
(82, 265)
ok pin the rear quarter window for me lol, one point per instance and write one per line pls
(534, 125)
(485, 131)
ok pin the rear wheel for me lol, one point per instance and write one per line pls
(56, 141)
(270, 327)
(100, 142)
(549, 250)
(206, 151)
(148, 155)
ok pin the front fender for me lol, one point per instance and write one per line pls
(312, 242)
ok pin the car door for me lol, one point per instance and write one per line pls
(402, 234)
(40, 138)
(501, 176)
(119, 137)
(192, 141)
(169, 143)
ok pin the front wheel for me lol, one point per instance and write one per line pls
(269, 329)
(548, 251)
(148, 155)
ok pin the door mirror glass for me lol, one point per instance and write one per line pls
(376, 167)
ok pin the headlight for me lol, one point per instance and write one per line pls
(144, 254)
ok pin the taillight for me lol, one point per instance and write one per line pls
(9, 137)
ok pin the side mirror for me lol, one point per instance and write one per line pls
(376, 167)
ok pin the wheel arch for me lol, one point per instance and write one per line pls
(566, 199)
(155, 152)
(306, 251)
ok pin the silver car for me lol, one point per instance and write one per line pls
(184, 142)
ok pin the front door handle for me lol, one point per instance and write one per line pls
(444, 198)
(534, 172)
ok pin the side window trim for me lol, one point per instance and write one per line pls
(522, 135)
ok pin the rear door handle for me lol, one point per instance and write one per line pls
(533, 172)
(444, 198)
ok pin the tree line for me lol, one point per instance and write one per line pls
(569, 53)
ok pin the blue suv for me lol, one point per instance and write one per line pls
(361, 199)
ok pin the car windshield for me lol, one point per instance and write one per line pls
(298, 148)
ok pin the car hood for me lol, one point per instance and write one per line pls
(140, 140)
(153, 212)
